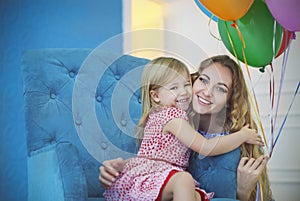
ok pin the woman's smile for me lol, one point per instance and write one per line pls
(203, 101)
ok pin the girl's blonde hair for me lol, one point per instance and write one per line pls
(238, 114)
(156, 73)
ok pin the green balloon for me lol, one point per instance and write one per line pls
(257, 29)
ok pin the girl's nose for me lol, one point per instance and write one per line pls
(184, 91)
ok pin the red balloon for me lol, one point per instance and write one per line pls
(286, 38)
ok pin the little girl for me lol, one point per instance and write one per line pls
(159, 170)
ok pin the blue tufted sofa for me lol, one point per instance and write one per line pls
(77, 116)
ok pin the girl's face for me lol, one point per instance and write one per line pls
(176, 93)
(211, 90)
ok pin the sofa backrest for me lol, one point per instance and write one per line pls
(55, 102)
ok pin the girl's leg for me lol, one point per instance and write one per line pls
(180, 187)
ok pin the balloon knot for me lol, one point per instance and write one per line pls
(234, 25)
(293, 36)
(262, 69)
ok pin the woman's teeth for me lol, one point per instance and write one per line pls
(204, 101)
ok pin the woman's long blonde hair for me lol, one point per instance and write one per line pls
(238, 114)
(156, 73)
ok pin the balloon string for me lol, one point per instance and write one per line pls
(234, 25)
(274, 41)
(257, 191)
(272, 90)
(261, 192)
(211, 33)
(256, 109)
(285, 117)
(254, 106)
(284, 62)
(272, 86)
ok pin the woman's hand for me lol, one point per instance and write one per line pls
(109, 170)
(248, 173)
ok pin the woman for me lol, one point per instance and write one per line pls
(220, 98)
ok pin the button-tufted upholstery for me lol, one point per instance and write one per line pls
(65, 149)
(59, 166)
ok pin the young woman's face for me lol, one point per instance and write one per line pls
(212, 89)
(176, 93)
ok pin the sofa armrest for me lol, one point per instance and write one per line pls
(49, 175)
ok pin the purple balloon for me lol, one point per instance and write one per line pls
(286, 12)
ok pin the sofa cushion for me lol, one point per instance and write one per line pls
(49, 175)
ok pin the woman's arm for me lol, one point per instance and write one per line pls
(109, 170)
(210, 147)
(248, 173)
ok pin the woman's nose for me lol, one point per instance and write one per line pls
(208, 90)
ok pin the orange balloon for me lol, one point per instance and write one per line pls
(228, 10)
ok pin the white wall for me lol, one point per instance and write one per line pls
(187, 20)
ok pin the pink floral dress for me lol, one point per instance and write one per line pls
(159, 154)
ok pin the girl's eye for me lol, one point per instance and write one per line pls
(187, 85)
(173, 88)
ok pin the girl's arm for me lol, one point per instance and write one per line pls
(210, 147)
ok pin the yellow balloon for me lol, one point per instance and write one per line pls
(228, 10)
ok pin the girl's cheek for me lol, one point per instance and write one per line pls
(191, 91)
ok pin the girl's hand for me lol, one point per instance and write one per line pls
(252, 137)
(109, 170)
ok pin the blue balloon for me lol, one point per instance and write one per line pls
(205, 11)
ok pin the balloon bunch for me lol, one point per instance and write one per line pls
(251, 36)
(256, 32)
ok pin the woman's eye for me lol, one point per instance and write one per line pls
(203, 80)
(221, 89)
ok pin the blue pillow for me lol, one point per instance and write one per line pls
(49, 175)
